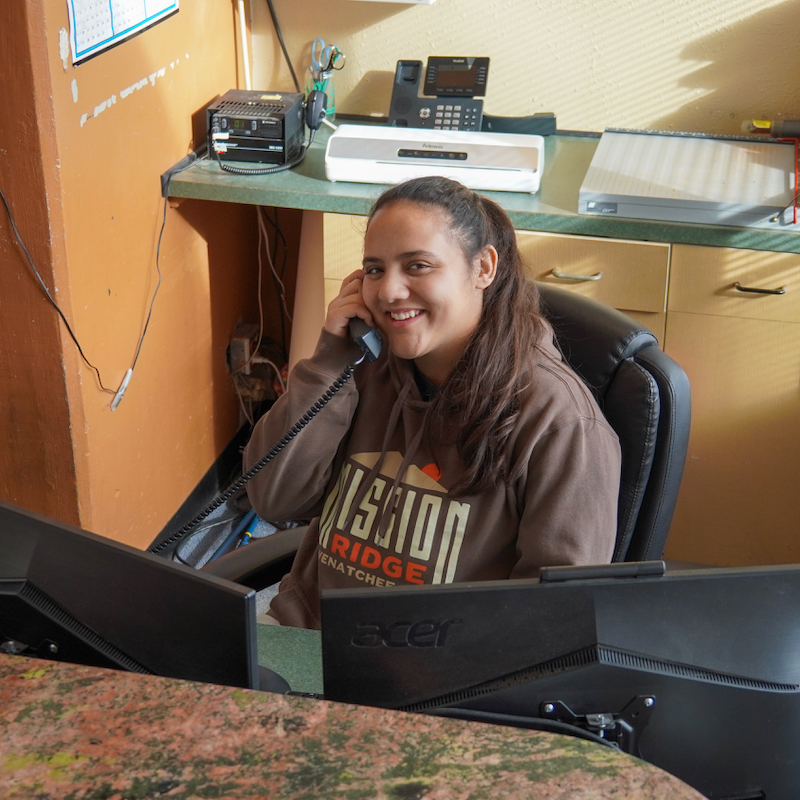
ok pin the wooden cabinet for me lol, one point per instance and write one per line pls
(740, 498)
(631, 276)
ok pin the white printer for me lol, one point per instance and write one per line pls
(506, 162)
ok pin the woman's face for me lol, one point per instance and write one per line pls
(423, 295)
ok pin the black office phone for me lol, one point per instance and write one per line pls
(450, 85)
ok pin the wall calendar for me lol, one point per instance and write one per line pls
(96, 25)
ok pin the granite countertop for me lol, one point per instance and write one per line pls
(77, 732)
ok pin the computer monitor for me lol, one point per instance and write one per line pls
(69, 595)
(697, 672)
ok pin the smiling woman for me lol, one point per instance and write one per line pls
(421, 291)
(469, 450)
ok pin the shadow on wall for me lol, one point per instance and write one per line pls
(758, 57)
(372, 94)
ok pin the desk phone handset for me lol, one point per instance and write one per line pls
(450, 86)
(366, 338)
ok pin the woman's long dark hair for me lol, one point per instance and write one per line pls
(480, 399)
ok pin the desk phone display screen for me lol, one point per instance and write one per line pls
(449, 77)
(456, 75)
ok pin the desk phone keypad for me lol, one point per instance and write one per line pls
(456, 116)
(451, 115)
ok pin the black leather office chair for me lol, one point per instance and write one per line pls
(644, 395)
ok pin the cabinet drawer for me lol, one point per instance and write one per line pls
(704, 281)
(631, 276)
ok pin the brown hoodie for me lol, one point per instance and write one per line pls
(378, 497)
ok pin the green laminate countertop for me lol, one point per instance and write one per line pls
(554, 208)
(295, 654)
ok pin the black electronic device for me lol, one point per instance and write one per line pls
(69, 595)
(262, 127)
(697, 672)
(366, 337)
(451, 85)
(542, 123)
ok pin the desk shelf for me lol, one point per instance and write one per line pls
(553, 209)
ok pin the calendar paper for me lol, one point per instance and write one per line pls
(96, 25)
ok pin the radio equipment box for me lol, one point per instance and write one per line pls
(262, 127)
(505, 162)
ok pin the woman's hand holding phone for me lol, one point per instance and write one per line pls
(346, 305)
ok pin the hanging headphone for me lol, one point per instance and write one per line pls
(316, 107)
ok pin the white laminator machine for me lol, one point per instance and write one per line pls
(505, 162)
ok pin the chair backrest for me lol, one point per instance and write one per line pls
(645, 397)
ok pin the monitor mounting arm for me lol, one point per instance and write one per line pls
(622, 729)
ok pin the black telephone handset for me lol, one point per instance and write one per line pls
(367, 338)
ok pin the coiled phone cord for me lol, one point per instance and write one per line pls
(287, 437)
(263, 170)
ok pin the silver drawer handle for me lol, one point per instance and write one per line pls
(567, 276)
(739, 288)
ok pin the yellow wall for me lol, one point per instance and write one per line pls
(698, 65)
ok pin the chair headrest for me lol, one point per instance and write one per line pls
(593, 337)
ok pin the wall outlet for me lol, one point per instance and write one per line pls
(242, 347)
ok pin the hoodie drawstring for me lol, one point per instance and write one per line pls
(387, 507)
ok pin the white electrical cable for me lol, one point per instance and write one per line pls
(264, 360)
(263, 243)
(122, 387)
(282, 294)
(247, 414)
(245, 52)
